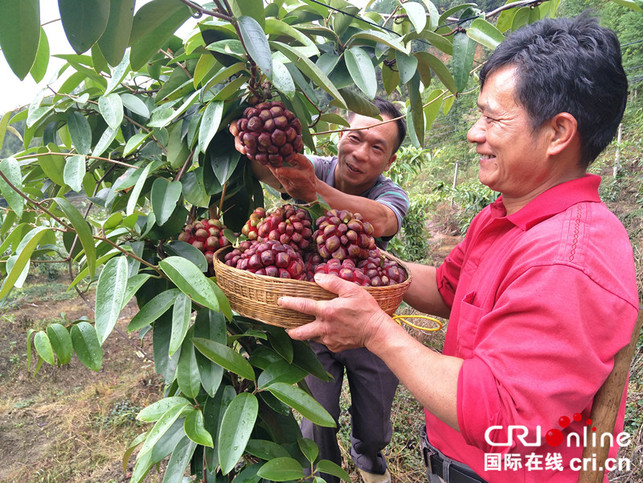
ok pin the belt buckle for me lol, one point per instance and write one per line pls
(427, 452)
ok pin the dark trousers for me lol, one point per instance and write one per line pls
(372, 386)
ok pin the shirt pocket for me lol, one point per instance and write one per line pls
(468, 323)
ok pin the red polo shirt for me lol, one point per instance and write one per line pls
(541, 301)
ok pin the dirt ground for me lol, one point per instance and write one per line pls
(69, 424)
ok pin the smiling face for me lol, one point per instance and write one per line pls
(513, 156)
(363, 155)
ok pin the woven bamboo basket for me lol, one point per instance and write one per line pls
(255, 296)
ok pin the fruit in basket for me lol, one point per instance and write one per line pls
(288, 224)
(380, 270)
(270, 133)
(205, 235)
(271, 258)
(341, 234)
(345, 269)
(232, 257)
(250, 229)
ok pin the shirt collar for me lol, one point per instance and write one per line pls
(553, 201)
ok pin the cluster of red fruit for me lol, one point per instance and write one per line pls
(270, 133)
(281, 243)
(206, 236)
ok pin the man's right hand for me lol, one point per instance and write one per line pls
(298, 179)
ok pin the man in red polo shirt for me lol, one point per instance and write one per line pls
(540, 295)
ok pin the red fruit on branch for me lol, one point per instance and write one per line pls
(270, 133)
(250, 229)
(205, 235)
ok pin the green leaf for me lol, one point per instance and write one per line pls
(368, 36)
(115, 39)
(440, 70)
(10, 168)
(266, 450)
(23, 275)
(61, 343)
(279, 28)
(185, 250)
(308, 448)
(84, 22)
(110, 292)
(83, 230)
(135, 142)
(415, 113)
(153, 309)
(39, 67)
(236, 427)
(4, 123)
(631, 4)
(326, 466)
(406, 65)
(224, 74)
(434, 16)
(417, 15)
(310, 70)
(27, 246)
(432, 107)
(154, 411)
(153, 25)
(252, 8)
(210, 123)
(105, 140)
(164, 423)
(187, 372)
(361, 69)
(136, 191)
(256, 43)
(359, 104)
(390, 78)
(180, 321)
(281, 469)
(195, 429)
(210, 325)
(80, 132)
(485, 33)
(20, 34)
(280, 342)
(302, 402)
(282, 80)
(74, 172)
(225, 356)
(280, 371)
(164, 197)
(133, 284)
(305, 358)
(111, 108)
(179, 460)
(43, 347)
(136, 105)
(463, 51)
(52, 165)
(204, 65)
(190, 280)
(86, 345)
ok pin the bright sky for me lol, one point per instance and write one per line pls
(16, 93)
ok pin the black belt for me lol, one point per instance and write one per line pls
(435, 464)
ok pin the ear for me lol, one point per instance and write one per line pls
(564, 133)
(390, 162)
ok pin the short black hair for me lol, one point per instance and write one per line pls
(567, 65)
(391, 111)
